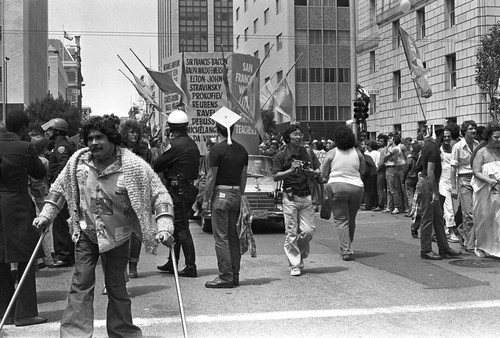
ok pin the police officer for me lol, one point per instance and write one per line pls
(179, 165)
(56, 130)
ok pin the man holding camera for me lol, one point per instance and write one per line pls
(293, 165)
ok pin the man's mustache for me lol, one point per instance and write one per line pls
(94, 148)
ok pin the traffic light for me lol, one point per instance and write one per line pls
(360, 110)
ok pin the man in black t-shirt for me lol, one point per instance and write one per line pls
(226, 180)
(432, 211)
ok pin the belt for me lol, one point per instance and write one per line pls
(227, 187)
(301, 193)
(465, 175)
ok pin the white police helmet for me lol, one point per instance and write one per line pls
(178, 118)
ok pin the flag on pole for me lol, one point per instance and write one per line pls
(252, 94)
(266, 96)
(167, 84)
(418, 71)
(141, 90)
(284, 100)
(67, 36)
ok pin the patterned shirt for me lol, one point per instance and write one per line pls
(106, 215)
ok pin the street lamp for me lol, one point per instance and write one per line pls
(4, 87)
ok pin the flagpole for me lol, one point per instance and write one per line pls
(414, 85)
(125, 64)
(138, 58)
(293, 66)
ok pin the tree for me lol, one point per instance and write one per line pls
(48, 108)
(488, 69)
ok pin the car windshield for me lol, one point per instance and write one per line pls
(260, 165)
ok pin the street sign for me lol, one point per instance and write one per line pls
(372, 91)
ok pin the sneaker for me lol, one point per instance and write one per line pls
(295, 271)
(480, 253)
(453, 238)
(387, 211)
(377, 209)
(395, 211)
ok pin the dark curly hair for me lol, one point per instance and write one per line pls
(344, 138)
(490, 129)
(290, 129)
(454, 130)
(130, 125)
(105, 125)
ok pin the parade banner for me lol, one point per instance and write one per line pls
(204, 81)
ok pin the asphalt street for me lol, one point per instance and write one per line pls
(388, 290)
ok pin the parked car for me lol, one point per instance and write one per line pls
(263, 194)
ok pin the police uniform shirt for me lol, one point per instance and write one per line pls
(63, 149)
(181, 159)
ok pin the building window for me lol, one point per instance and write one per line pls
(342, 3)
(396, 85)
(396, 38)
(237, 14)
(421, 23)
(279, 42)
(314, 2)
(256, 54)
(300, 2)
(278, 7)
(345, 113)
(329, 74)
(316, 113)
(300, 74)
(302, 113)
(329, 37)
(451, 64)
(329, 3)
(266, 12)
(343, 38)
(255, 26)
(344, 75)
(301, 37)
(245, 5)
(373, 11)
(330, 113)
(450, 13)
(279, 76)
(315, 75)
(315, 37)
(246, 34)
(237, 42)
(266, 48)
(372, 62)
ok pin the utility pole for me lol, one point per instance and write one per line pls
(4, 70)
(79, 78)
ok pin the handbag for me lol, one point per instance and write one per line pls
(326, 208)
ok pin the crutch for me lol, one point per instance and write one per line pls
(178, 289)
(20, 284)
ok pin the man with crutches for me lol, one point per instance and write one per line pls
(109, 192)
(18, 160)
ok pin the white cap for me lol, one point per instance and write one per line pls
(227, 118)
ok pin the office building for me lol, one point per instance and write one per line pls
(447, 34)
(316, 33)
(24, 33)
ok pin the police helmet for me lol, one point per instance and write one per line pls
(57, 124)
(178, 118)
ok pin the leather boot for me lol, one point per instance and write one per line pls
(132, 269)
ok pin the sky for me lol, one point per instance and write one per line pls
(108, 28)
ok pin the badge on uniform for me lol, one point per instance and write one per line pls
(61, 150)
